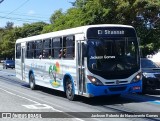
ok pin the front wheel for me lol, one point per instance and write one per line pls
(32, 82)
(69, 90)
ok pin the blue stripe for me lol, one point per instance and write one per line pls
(155, 102)
(144, 99)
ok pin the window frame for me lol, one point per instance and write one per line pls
(68, 46)
(30, 48)
(18, 51)
(38, 49)
(47, 49)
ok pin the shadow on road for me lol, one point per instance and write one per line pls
(104, 100)
(100, 100)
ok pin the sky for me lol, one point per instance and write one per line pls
(29, 11)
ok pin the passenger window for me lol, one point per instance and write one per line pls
(56, 47)
(18, 51)
(69, 46)
(46, 48)
(38, 49)
(30, 50)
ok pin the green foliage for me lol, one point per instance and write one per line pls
(86, 12)
(72, 18)
(10, 34)
(56, 15)
(32, 29)
(9, 25)
(47, 29)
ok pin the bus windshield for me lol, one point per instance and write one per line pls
(115, 57)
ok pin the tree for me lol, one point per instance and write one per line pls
(56, 15)
(144, 15)
(8, 44)
(32, 29)
(9, 25)
(73, 18)
(10, 34)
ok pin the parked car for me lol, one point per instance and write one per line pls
(150, 75)
(2, 61)
(9, 64)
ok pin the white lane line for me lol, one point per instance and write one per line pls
(8, 73)
(27, 99)
(38, 106)
(34, 101)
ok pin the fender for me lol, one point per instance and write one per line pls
(67, 75)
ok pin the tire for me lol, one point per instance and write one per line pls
(32, 82)
(69, 90)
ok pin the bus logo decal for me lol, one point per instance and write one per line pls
(53, 71)
(117, 81)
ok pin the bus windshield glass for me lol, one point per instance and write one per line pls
(115, 57)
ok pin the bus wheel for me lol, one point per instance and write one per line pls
(69, 90)
(32, 82)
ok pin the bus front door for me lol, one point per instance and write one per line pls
(80, 69)
(22, 63)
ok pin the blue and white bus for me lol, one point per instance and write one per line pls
(92, 60)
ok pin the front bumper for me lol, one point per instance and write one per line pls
(10, 66)
(114, 89)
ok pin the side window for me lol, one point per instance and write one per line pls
(69, 47)
(30, 50)
(38, 49)
(47, 48)
(18, 51)
(56, 47)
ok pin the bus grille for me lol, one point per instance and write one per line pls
(117, 88)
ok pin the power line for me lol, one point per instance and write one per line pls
(28, 17)
(22, 19)
(1, 1)
(17, 8)
(23, 14)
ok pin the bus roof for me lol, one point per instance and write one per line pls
(72, 31)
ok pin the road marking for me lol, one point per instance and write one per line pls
(36, 103)
(155, 102)
(19, 96)
(8, 74)
(143, 98)
(38, 106)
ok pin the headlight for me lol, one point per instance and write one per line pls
(8, 64)
(151, 75)
(94, 80)
(137, 78)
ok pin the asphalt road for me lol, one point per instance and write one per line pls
(18, 101)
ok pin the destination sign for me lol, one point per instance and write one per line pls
(97, 32)
(109, 32)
